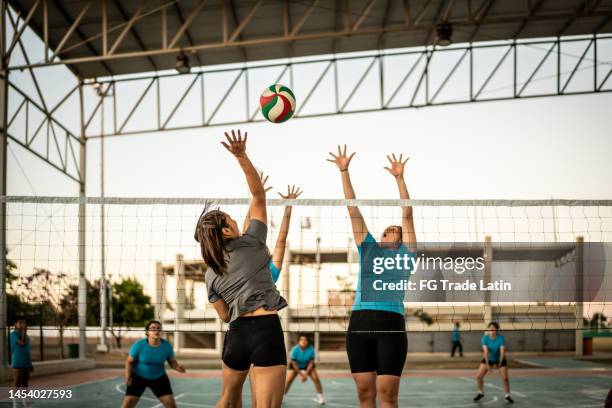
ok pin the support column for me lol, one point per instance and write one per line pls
(3, 168)
(579, 312)
(82, 292)
(317, 334)
(286, 292)
(179, 308)
(159, 292)
(488, 262)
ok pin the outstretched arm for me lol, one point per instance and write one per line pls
(397, 171)
(360, 230)
(293, 192)
(237, 147)
(247, 219)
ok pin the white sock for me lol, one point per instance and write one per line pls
(319, 395)
(507, 395)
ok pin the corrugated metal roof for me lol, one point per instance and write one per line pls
(379, 24)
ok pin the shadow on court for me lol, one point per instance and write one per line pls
(432, 388)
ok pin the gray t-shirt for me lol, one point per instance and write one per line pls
(247, 285)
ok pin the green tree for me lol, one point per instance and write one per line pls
(131, 307)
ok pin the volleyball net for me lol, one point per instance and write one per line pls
(153, 267)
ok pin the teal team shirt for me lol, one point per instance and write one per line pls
(274, 271)
(21, 356)
(494, 345)
(148, 360)
(397, 307)
(302, 356)
(456, 336)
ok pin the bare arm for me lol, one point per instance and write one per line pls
(502, 353)
(293, 192)
(175, 365)
(397, 171)
(247, 219)
(222, 310)
(485, 353)
(360, 230)
(129, 364)
(237, 146)
(310, 367)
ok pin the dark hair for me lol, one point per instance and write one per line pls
(209, 234)
(150, 323)
(19, 318)
(457, 324)
(494, 324)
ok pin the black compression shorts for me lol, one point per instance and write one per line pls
(160, 386)
(492, 363)
(256, 340)
(376, 341)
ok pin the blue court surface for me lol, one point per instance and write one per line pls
(575, 388)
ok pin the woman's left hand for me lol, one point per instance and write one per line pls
(397, 165)
(293, 192)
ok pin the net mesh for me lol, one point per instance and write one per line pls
(154, 268)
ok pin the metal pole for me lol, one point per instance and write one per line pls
(3, 146)
(317, 335)
(103, 304)
(82, 294)
(579, 342)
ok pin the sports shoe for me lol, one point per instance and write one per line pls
(479, 396)
(509, 399)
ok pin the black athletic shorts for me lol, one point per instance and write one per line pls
(256, 340)
(160, 386)
(503, 363)
(290, 366)
(376, 341)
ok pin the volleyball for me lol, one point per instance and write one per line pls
(277, 103)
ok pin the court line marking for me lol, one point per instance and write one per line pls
(118, 388)
(513, 391)
(160, 405)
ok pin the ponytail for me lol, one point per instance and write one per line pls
(209, 234)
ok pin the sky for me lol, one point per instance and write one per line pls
(556, 147)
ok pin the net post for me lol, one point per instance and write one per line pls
(488, 262)
(82, 291)
(317, 335)
(3, 169)
(286, 291)
(179, 309)
(159, 291)
(579, 296)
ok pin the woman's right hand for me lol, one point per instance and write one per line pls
(237, 145)
(341, 160)
(128, 380)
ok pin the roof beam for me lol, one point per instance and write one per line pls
(17, 36)
(418, 17)
(384, 22)
(66, 16)
(179, 14)
(583, 6)
(435, 20)
(245, 21)
(73, 27)
(479, 17)
(127, 27)
(186, 23)
(407, 11)
(531, 12)
(302, 20)
(364, 13)
(134, 33)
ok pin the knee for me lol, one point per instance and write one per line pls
(387, 395)
(480, 377)
(366, 393)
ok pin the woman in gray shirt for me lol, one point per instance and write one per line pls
(241, 289)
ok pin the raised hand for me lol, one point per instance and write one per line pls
(341, 160)
(293, 192)
(237, 145)
(397, 165)
(264, 180)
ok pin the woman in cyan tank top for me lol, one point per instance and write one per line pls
(376, 341)
(241, 289)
